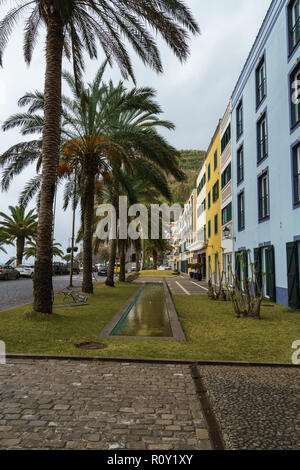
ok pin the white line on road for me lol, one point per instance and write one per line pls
(187, 293)
(201, 287)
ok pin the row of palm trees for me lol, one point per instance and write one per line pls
(20, 228)
(96, 131)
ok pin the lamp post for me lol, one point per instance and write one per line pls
(226, 233)
(73, 233)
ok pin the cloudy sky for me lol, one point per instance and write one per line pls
(194, 95)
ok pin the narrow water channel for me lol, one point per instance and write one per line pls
(148, 316)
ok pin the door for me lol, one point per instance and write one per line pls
(292, 250)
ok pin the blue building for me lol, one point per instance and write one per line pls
(266, 155)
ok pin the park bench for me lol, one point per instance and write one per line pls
(75, 296)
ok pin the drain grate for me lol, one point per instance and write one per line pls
(91, 345)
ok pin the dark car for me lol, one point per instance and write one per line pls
(102, 271)
(60, 269)
(8, 272)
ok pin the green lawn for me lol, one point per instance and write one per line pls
(154, 273)
(212, 331)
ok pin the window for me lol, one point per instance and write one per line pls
(226, 138)
(216, 224)
(263, 197)
(261, 82)
(209, 229)
(216, 160)
(201, 184)
(240, 164)
(241, 211)
(226, 176)
(262, 138)
(239, 120)
(216, 192)
(296, 174)
(294, 23)
(208, 172)
(227, 214)
(209, 202)
(295, 101)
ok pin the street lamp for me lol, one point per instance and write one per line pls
(226, 232)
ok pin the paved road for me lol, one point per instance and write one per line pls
(93, 405)
(20, 292)
(180, 285)
(257, 407)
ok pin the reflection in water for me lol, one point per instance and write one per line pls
(148, 316)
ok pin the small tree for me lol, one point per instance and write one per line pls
(247, 294)
(217, 292)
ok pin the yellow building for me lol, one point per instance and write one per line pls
(213, 208)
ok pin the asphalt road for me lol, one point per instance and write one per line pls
(20, 292)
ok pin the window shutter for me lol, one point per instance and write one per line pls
(271, 273)
(257, 267)
(293, 275)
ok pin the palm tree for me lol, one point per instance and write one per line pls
(110, 128)
(4, 240)
(20, 227)
(30, 249)
(74, 26)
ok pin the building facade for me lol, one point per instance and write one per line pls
(266, 155)
(213, 208)
(226, 196)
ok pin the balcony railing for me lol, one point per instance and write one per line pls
(261, 91)
(295, 34)
(297, 188)
(262, 148)
(264, 207)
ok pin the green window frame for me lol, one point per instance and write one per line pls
(216, 191)
(227, 214)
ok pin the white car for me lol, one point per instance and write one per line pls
(25, 270)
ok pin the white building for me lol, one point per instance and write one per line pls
(226, 194)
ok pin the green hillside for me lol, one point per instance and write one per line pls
(191, 162)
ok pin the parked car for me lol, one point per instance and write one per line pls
(102, 271)
(133, 266)
(25, 270)
(76, 267)
(60, 269)
(8, 272)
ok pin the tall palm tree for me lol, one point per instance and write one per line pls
(73, 27)
(109, 128)
(20, 227)
(30, 249)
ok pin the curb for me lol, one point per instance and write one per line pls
(151, 361)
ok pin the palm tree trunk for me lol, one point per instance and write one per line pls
(50, 157)
(122, 276)
(113, 243)
(143, 250)
(154, 259)
(20, 249)
(111, 264)
(88, 215)
(138, 261)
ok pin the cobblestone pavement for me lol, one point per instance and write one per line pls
(257, 407)
(93, 405)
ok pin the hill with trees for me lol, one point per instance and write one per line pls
(191, 162)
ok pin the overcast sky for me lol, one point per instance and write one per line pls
(194, 95)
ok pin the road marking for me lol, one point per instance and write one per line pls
(201, 287)
(187, 293)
